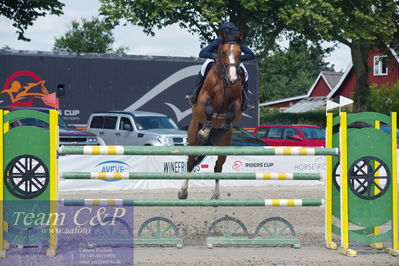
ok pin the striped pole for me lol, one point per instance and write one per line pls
(395, 223)
(344, 249)
(2, 222)
(53, 197)
(193, 203)
(193, 150)
(328, 186)
(212, 176)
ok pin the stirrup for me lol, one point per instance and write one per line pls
(189, 98)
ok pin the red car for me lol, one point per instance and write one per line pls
(291, 135)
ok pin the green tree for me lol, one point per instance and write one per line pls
(259, 20)
(360, 24)
(90, 36)
(24, 12)
(290, 72)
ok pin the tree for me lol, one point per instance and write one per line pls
(260, 20)
(360, 24)
(290, 72)
(91, 36)
(24, 12)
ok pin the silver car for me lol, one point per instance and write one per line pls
(136, 128)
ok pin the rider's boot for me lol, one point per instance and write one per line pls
(246, 106)
(192, 97)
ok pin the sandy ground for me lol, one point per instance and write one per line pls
(193, 223)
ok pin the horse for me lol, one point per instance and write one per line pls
(217, 108)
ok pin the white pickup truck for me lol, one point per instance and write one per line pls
(136, 128)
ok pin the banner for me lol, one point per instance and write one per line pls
(177, 164)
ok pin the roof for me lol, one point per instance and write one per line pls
(395, 53)
(341, 80)
(286, 125)
(282, 100)
(307, 104)
(134, 113)
(100, 56)
(332, 78)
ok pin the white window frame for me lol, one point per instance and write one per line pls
(377, 66)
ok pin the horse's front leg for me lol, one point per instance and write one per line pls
(183, 192)
(218, 169)
(203, 133)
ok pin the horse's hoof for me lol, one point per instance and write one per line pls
(215, 196)
(182, 194)
(203, 135)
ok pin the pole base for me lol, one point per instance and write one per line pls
(331, 245)
(347, 252)
(393, 252)
(378, 246)
(3, 254)
(51, 253)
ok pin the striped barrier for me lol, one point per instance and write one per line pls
(193, 203)
(194, 150)
(221, 176)
(227, 238)
(347, 201)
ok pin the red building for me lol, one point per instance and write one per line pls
(383, 69)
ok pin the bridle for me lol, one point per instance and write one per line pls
(222, 69)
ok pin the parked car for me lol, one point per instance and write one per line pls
(242, 138)
(136, 128)
(291, 135)
(67, 135)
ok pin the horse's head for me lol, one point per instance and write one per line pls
(229, 57)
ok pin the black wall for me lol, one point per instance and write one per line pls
(110, 82)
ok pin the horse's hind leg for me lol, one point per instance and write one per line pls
(203, 133)
(220, 135)
(229, 118)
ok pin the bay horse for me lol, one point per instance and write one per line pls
(217, 108)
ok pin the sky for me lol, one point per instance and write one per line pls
(170, 41)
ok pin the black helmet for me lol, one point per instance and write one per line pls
(228, 26)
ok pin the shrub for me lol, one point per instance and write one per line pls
(384, 98)
(317, 118)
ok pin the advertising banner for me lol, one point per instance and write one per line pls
(178, 164)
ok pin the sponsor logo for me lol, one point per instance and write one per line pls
(23, 87)
(175, 167)
(112, 167)
(237, 165)
(181, 167)
(259, 165)
(319, 165)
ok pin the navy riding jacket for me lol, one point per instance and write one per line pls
(210, 50)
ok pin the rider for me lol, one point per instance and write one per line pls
(209, 52)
